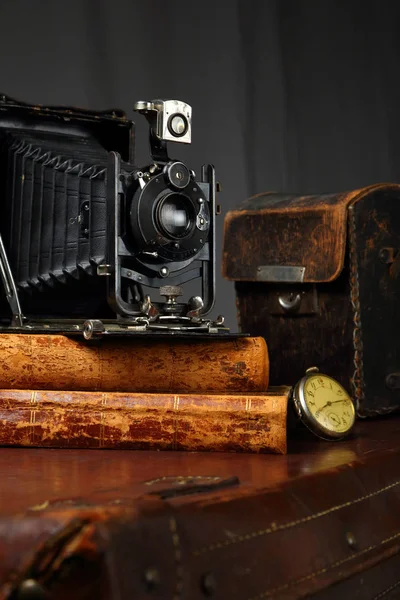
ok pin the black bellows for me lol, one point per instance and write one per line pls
(53, 190)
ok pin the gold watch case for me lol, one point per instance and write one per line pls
(323, 405)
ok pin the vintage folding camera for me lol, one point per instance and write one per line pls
(91, 242)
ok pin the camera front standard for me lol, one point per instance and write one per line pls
(91, 242)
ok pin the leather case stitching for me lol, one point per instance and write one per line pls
(178, 558)
(387, 590)
(357, 380)
(325, 569)
(273, 528)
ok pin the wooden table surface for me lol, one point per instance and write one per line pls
(31, 477)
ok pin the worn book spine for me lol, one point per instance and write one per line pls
(229, 422)
(56, 362)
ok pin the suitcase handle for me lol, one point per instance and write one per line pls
(197, 488)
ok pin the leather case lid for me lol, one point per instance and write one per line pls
(289, 239)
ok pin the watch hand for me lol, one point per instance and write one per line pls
(320, 410)
(329, 403)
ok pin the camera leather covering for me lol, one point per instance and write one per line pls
(53, 164)
(319, 277)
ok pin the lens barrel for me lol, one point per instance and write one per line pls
(175, 215)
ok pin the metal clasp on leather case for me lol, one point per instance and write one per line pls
(290, 302)
(293, 300)
(280, 274)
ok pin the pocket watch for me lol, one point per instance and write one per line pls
(323, 405)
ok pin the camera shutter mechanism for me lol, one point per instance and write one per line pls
(202, 220)
(163, 220)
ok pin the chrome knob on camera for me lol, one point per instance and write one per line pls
(171, 293)
(196, 305)
(93, 328)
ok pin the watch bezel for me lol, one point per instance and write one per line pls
(306, 415)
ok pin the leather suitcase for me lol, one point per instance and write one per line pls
(321, 522)
(319, 278)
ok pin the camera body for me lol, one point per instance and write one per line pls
(89, 240)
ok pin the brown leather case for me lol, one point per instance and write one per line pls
(57, 362)
(320, 522)
(223, 422)
(319, 278)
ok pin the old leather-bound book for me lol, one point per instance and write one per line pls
(56, 362)
(319, 277)
(321, 522)
(224, 422)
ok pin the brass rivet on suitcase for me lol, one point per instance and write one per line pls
(151, 577)
(30, 589)
(387, 255)
(351, 540)
(208, 584)
(393, 381)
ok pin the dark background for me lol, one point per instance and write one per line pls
(297, 96)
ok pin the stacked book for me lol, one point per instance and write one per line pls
(167, 394)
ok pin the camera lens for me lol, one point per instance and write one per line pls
(178, 125)
(178, 175)
(175, 215)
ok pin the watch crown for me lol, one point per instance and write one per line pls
(312, 370)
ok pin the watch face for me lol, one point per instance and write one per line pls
(327, 408)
